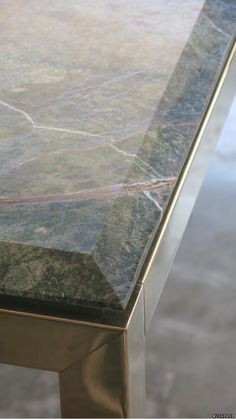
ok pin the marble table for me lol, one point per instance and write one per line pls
(109, 111)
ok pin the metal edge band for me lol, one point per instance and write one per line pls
(61, 319)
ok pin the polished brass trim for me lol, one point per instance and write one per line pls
(47, 344)
(134, 361)
(173, 225)
(62, 319)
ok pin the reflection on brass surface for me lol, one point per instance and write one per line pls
(102, 371)
(109, 382)
(47, 344)
(94, 386)
(134, 355)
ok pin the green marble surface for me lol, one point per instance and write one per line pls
(99, 105)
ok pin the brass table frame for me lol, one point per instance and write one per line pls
(101, 366)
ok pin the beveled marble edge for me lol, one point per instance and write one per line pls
(174, 124)
(182, 110)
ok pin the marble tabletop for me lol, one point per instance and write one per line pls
(99, 105)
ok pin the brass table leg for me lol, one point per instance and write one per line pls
(101, 369)
(95, 386)
(110, 381)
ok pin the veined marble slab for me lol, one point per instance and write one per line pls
(99, 104)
